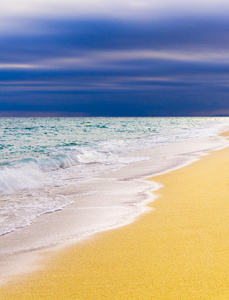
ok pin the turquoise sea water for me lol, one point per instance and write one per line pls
(39, 154)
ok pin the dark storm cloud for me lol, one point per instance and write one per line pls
(108, 67)
(64, 37)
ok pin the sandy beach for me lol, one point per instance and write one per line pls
(178, 250)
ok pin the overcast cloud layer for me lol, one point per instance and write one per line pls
(128, 58)
(112, 8)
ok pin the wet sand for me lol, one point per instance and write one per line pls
(179, 250)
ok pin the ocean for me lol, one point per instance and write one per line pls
(50, 164)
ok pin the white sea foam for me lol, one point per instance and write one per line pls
(14, 179)
(22, 208)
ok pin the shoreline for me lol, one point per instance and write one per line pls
(95, 236)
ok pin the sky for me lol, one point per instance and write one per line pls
(114, 58)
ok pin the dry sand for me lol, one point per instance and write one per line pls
(180, 250)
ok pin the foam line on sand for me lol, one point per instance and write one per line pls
(179, 250)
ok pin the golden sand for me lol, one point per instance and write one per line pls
(180, 250)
